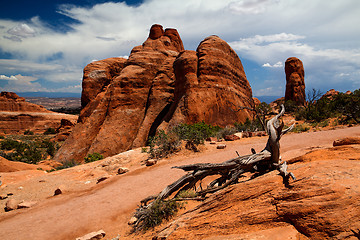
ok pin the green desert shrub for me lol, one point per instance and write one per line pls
(228, 130)
(163, 144)
(9, 144)
(249, 125)
(67, 164)
(301, 128)
(159, 211)
(195, 133)
(291, 106)
(348, 106)
(29, 149)
(28, 132)
(92, 157)
(50, 131)
(190, 193)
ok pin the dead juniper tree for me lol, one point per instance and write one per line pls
(229, 171)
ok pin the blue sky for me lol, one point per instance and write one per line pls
(44, 45)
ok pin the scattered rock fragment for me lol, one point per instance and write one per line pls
(346, 141)
(221, 146)
(11, 204)
(211, 139)
(132, 221)
(212, 142)
(245, 135)
(150, 162)
(93, 235)
(122, 170)
(239, 134)
(58, 191)
(3, 196)
(101, 179)
(26, 204)
(231, 137)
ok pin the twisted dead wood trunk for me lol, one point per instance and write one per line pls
(230, 171)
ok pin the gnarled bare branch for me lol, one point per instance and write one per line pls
(230, 171)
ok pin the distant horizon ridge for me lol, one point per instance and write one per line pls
(267, 99)
(49, 94)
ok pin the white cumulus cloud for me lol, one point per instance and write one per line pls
(276, 65)
(264, 31)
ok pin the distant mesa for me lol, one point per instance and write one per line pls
(18, 116)
(125, 101)
(11, 102)
(295, 84)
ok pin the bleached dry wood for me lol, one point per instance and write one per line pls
(230, 171)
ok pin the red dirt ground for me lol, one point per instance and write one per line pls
(86, 206)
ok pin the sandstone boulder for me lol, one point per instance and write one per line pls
(26, 204)
(11, 204)
(58, 191)
(122, 170)
(212, 139)
(150, 162)
(295, 84)
(231, 137)
(221, 146)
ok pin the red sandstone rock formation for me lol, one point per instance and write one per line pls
(160, 85)
(11, 102)
(17, 115)
(295, 84)
(97, 75)
(330, 94)
(210, 85)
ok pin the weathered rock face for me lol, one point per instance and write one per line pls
(322, 204)
(159, 86)
(295, 84)
(17, 115)
(97, 76)
(210, 85)
(121, 116)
